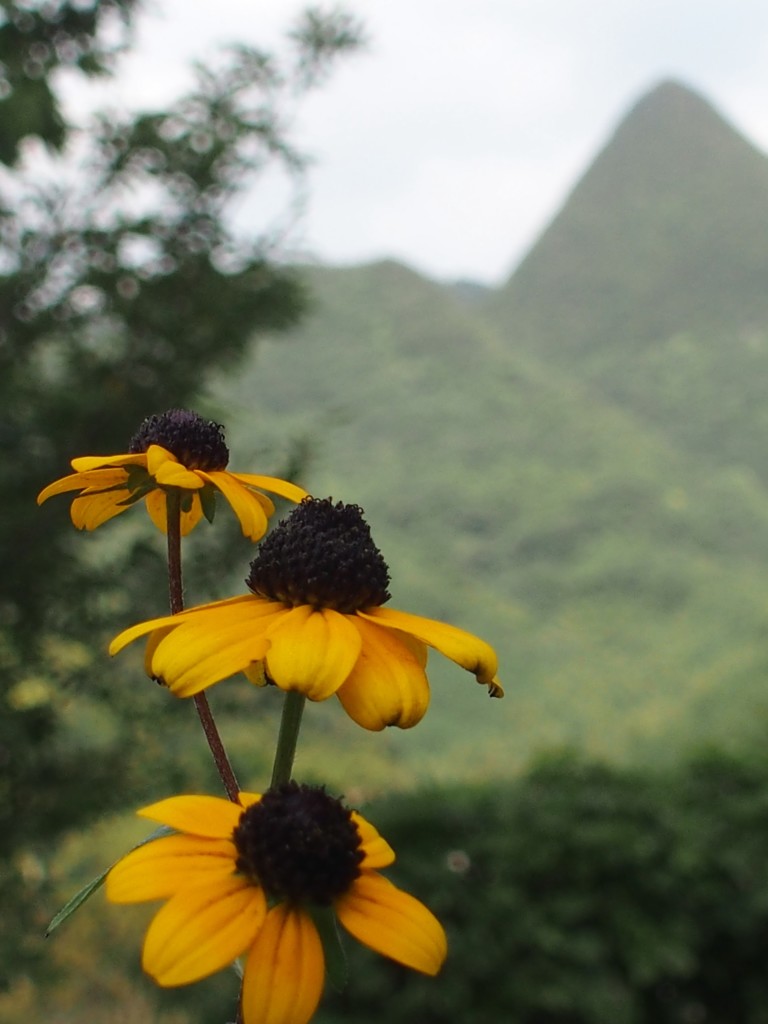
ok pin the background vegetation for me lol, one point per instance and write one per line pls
(571, 466)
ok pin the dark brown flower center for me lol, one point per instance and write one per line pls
(300, 844)
(196, 443)
(321, 555)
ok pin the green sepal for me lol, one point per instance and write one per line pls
(96, 883)
(138, 479)
(185, 502)
(335, 958)
(138, 482)
(207, 495)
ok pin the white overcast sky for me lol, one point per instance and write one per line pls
(455, 136)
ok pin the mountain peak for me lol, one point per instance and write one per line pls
(669, 94)
(667, 231)
(675, 123)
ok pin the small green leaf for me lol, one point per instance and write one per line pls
(208, 501)
(139, 483)
(335, 957)
(138, 479)
(96, 883)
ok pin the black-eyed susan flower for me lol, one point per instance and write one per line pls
(176, 451)
(247, 879)
(314, 622)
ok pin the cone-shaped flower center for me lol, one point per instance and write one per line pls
(321, 555)
(300, 844)
(196, 443)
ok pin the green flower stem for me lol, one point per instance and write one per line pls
(176, 600)
(290, 723)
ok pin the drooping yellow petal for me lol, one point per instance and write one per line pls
(96, 480)
(211, 645)
(202, 929)
(161, 867)
(237, 479)
(85, 462)
(274, 485)
(91, 510)
(192, 657)
(283, 978)
(157, 508)
(377, 853)
(388, 684)
(163, 622)
(467, 650)
(153, 640)
(393, 923)
(211, 817)
(311, 651)
(254, 605)
(245, 505)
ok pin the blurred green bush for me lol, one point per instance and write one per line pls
(582, 894)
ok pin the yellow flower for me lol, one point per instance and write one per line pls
(250, 878)
(314, 623)
(174, 451)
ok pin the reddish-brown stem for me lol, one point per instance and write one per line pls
(176, 600)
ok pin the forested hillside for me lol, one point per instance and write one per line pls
(572, 465)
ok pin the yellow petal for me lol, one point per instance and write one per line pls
(96, 480)
(189, 660)
(202, 929)
(388, 684)
(211, 817)
(157, 509)
(495, 689)
(173, 474)
(377, 851)
(311, 651)
(246, 799)
(156, 456)
(153, 640)
(103, 479)
(254, 605)
(169, 472)
(464, 648)
(274, 485)
(255, 674)
(211, 646)
(245, 505)
(163, 622)
(85, 462)
(283, 978)
(161, 867)
(158, 512)
(91, 510)
(393, 923)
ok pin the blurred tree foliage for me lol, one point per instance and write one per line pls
(36, 41)
(123, 280)
(582, 894)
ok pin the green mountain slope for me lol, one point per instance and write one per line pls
(650, 284)
(619, 579)
(665, 232)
